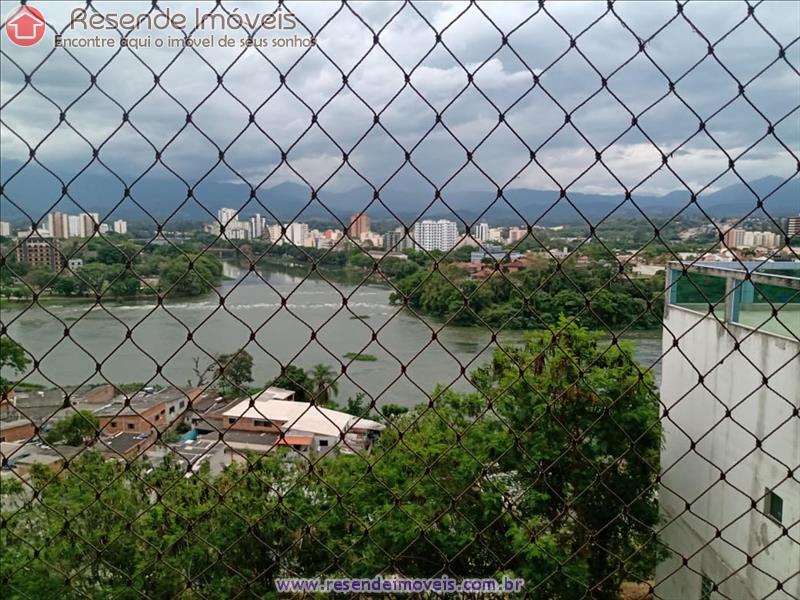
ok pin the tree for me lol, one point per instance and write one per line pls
(591, 460)
(390, 411)
(191, 276)
(547, 472)
(74, 430)
(323, 383)
(355, 406)
(234, 371)
(13, 355)
(296, 379)
(201, 373)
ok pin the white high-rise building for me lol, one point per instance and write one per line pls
(120, 226)
(496, 234)
(482, 232)
(297, 233)
(436, 235)
(256, 226)
(75, 226)
(274, 234)
(226, 215)
(88, 223)
(5, 228)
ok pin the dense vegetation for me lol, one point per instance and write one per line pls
(548, 473)
(597, 295)
(116, 267)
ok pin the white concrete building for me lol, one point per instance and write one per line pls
(274, 234)
(5, 229)
(225, 215)
(482, 232)
(297, 233)
(274, 411)
(436, 235)
(75, 226)
(120, 227)
(256, 226)
(730, 392)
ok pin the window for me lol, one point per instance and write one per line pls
(171, 409)
(323, 443)
(158, 417)
(706, 587)
(260, 423)
(231, 420)
(181, 404)
(773, 506)
(131, 426)
(113, 423)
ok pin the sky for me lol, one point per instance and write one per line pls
(471, 45)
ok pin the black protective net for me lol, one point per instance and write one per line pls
(218, 378)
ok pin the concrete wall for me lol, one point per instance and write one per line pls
(726, 442)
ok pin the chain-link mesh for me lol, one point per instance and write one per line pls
(511, 414)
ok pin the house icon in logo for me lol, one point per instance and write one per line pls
(25, 26)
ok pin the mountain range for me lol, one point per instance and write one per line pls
(36, 192)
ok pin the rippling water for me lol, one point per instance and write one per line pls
(281, 335)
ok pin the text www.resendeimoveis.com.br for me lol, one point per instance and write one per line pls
(400, 585)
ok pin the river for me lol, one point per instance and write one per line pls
(282, 335)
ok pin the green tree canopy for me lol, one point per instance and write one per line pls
(234, 371)
(323, 383)
(74, 430)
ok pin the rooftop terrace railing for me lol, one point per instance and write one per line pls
(759, 295)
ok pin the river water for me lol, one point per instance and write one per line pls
(282, 335)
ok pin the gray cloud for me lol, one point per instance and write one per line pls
(503, 79)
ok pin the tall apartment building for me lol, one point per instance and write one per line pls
(257, 226)
(793, 227)
(39, 250)
(435, 235)
(481, 232)
(58, 225)
(90, 224)
(274, 234)
(5, 229)
(397, 240)
(740, 238)
(297, 233)
(359, 225)
(226, 215)
(75, 226)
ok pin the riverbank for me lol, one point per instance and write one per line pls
(409, 365)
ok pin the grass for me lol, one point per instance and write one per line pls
(361, 356)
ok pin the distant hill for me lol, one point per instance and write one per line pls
(35, 191)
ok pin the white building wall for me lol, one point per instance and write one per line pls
(436, 235)
(75, 226)
(297, 233)
(757, 412)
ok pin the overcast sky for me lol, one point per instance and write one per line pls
(471, 43)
